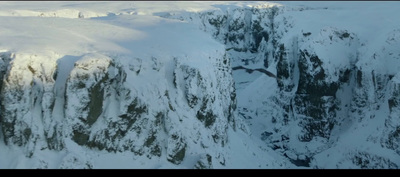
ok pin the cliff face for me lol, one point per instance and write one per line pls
(173, 103)
(331, 88)
(105, 103)
(26, 96)
(267, 85)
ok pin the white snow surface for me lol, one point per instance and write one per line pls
(69, 33)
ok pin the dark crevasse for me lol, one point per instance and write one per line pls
(4, 62)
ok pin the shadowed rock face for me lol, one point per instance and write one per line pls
(324, 83)
(101, 104)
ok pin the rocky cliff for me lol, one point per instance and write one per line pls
(331, 86)
(265, 84)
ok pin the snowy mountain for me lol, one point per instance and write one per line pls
(199, 85)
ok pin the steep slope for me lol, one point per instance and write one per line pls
(141, 89)
(200, 85)
(334, 83)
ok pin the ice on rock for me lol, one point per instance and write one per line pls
(199, 85)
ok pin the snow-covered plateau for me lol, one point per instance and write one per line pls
(203, 85)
